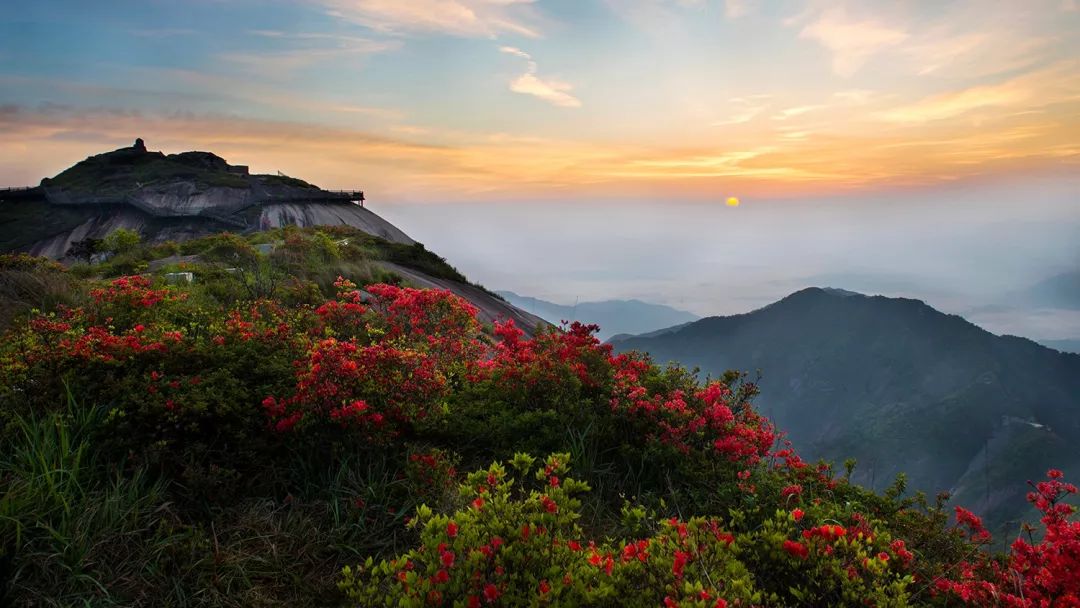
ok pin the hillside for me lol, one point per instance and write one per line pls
(613, 316)
(259, 436)
(172, 201)
(900, 387)
(170, 197)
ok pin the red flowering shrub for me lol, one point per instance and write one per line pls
(128, 300)
(562, 380)
(711, 419)
(378, 389)
(1043, 574)
(518, 543)
(179, 380)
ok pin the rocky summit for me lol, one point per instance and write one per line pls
(171, 197)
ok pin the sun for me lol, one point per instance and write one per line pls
(732, 201)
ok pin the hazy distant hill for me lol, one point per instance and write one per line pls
(1065, 346)
(1058, 291)
(613, 316)
(900, 387)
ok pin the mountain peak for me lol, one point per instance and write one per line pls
(174, 197)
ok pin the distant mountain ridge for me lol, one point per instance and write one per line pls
(899, 386)
(1059, 291)
(613, 316)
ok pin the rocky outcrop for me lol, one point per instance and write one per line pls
(187, 195)
(277, 215)
(185, 199)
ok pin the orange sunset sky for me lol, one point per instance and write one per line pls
(444, 100)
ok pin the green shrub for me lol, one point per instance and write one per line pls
(119, 241)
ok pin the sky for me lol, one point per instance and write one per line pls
(464, 100)
(584, 148)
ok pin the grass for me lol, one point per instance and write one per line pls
(67, 523)
(76, 529)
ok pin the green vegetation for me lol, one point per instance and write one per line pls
(273, 435)
(28, 283)
(23, 223)
(114, 175)
(120, 240)
(283, 180)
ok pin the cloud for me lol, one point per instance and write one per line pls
(746, 109)
(1057, 84)
(509, 50)
(395, 161)
(465, 18)
(855, 97)
(551, 91)
(787, 113)
(853, 42)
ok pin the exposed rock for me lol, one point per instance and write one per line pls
(275, 216)
(490, 308)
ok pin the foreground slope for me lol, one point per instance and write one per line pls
(262, 438)
(900, 387)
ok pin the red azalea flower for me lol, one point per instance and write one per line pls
(795, 549)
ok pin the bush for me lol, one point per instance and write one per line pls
(516, 542)
(120, 241)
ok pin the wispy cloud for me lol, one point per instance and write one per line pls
(744, 109)
(1054, 85)
(467, 18)
(787, 113)
(852, 41)
(551, 91)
